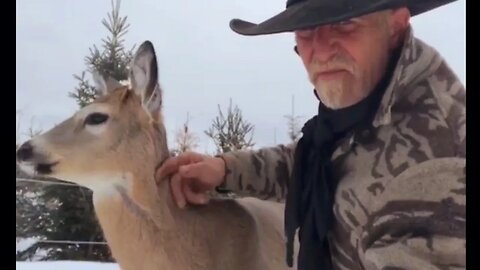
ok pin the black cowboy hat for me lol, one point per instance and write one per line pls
(308, 13)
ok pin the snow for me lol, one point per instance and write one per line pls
(25, 243)
(66, 265)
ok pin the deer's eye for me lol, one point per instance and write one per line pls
(96, 119)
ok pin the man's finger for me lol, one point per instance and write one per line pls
(176, 186)
(168, 167)
(194, 197)
(195, 170)
(171, 165)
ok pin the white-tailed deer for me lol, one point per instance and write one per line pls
(113, 146)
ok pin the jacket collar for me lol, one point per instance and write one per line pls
(417, 61)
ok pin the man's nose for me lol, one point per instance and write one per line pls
(25, 152)
(324, 44)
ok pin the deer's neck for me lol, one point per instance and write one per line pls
(136, 195)
(139, 220)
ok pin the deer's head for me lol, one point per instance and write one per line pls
(120, 133)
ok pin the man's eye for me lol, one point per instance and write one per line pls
(345, 26)
(304, 33)
(96, 119)
(346, 22)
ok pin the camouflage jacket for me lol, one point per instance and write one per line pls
(400, 202)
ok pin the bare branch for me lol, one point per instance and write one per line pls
(32, 131)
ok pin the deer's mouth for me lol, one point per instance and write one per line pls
(45, 168)
(37, 168)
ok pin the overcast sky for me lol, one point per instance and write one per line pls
(202, 63)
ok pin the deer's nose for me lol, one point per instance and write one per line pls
(25, 152)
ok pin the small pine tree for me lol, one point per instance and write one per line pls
(293, 123)
(185, 139)
(112, 61)
(231, 132)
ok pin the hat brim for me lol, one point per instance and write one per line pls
(315, 13)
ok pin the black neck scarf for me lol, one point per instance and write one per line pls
(310, 198)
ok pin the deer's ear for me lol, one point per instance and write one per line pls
(144, 77)
(104, 85)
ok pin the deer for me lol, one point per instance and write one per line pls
(113, 146)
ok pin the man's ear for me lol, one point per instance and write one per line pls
(399, 21)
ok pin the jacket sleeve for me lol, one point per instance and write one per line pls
(262, 173)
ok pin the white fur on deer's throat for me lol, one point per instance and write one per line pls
(105, 185)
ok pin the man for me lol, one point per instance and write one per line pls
(377, 180)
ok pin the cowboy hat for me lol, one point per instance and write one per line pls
(308, 13)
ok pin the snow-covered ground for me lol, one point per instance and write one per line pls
(66, 265)
(25, 243)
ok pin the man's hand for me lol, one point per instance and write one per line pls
(192, 175)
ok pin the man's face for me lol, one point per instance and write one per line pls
(345, 61)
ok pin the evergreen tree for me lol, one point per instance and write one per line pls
(185, 139)
(293, 123)
(112, 61)
(230, 132)
(32, 215)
